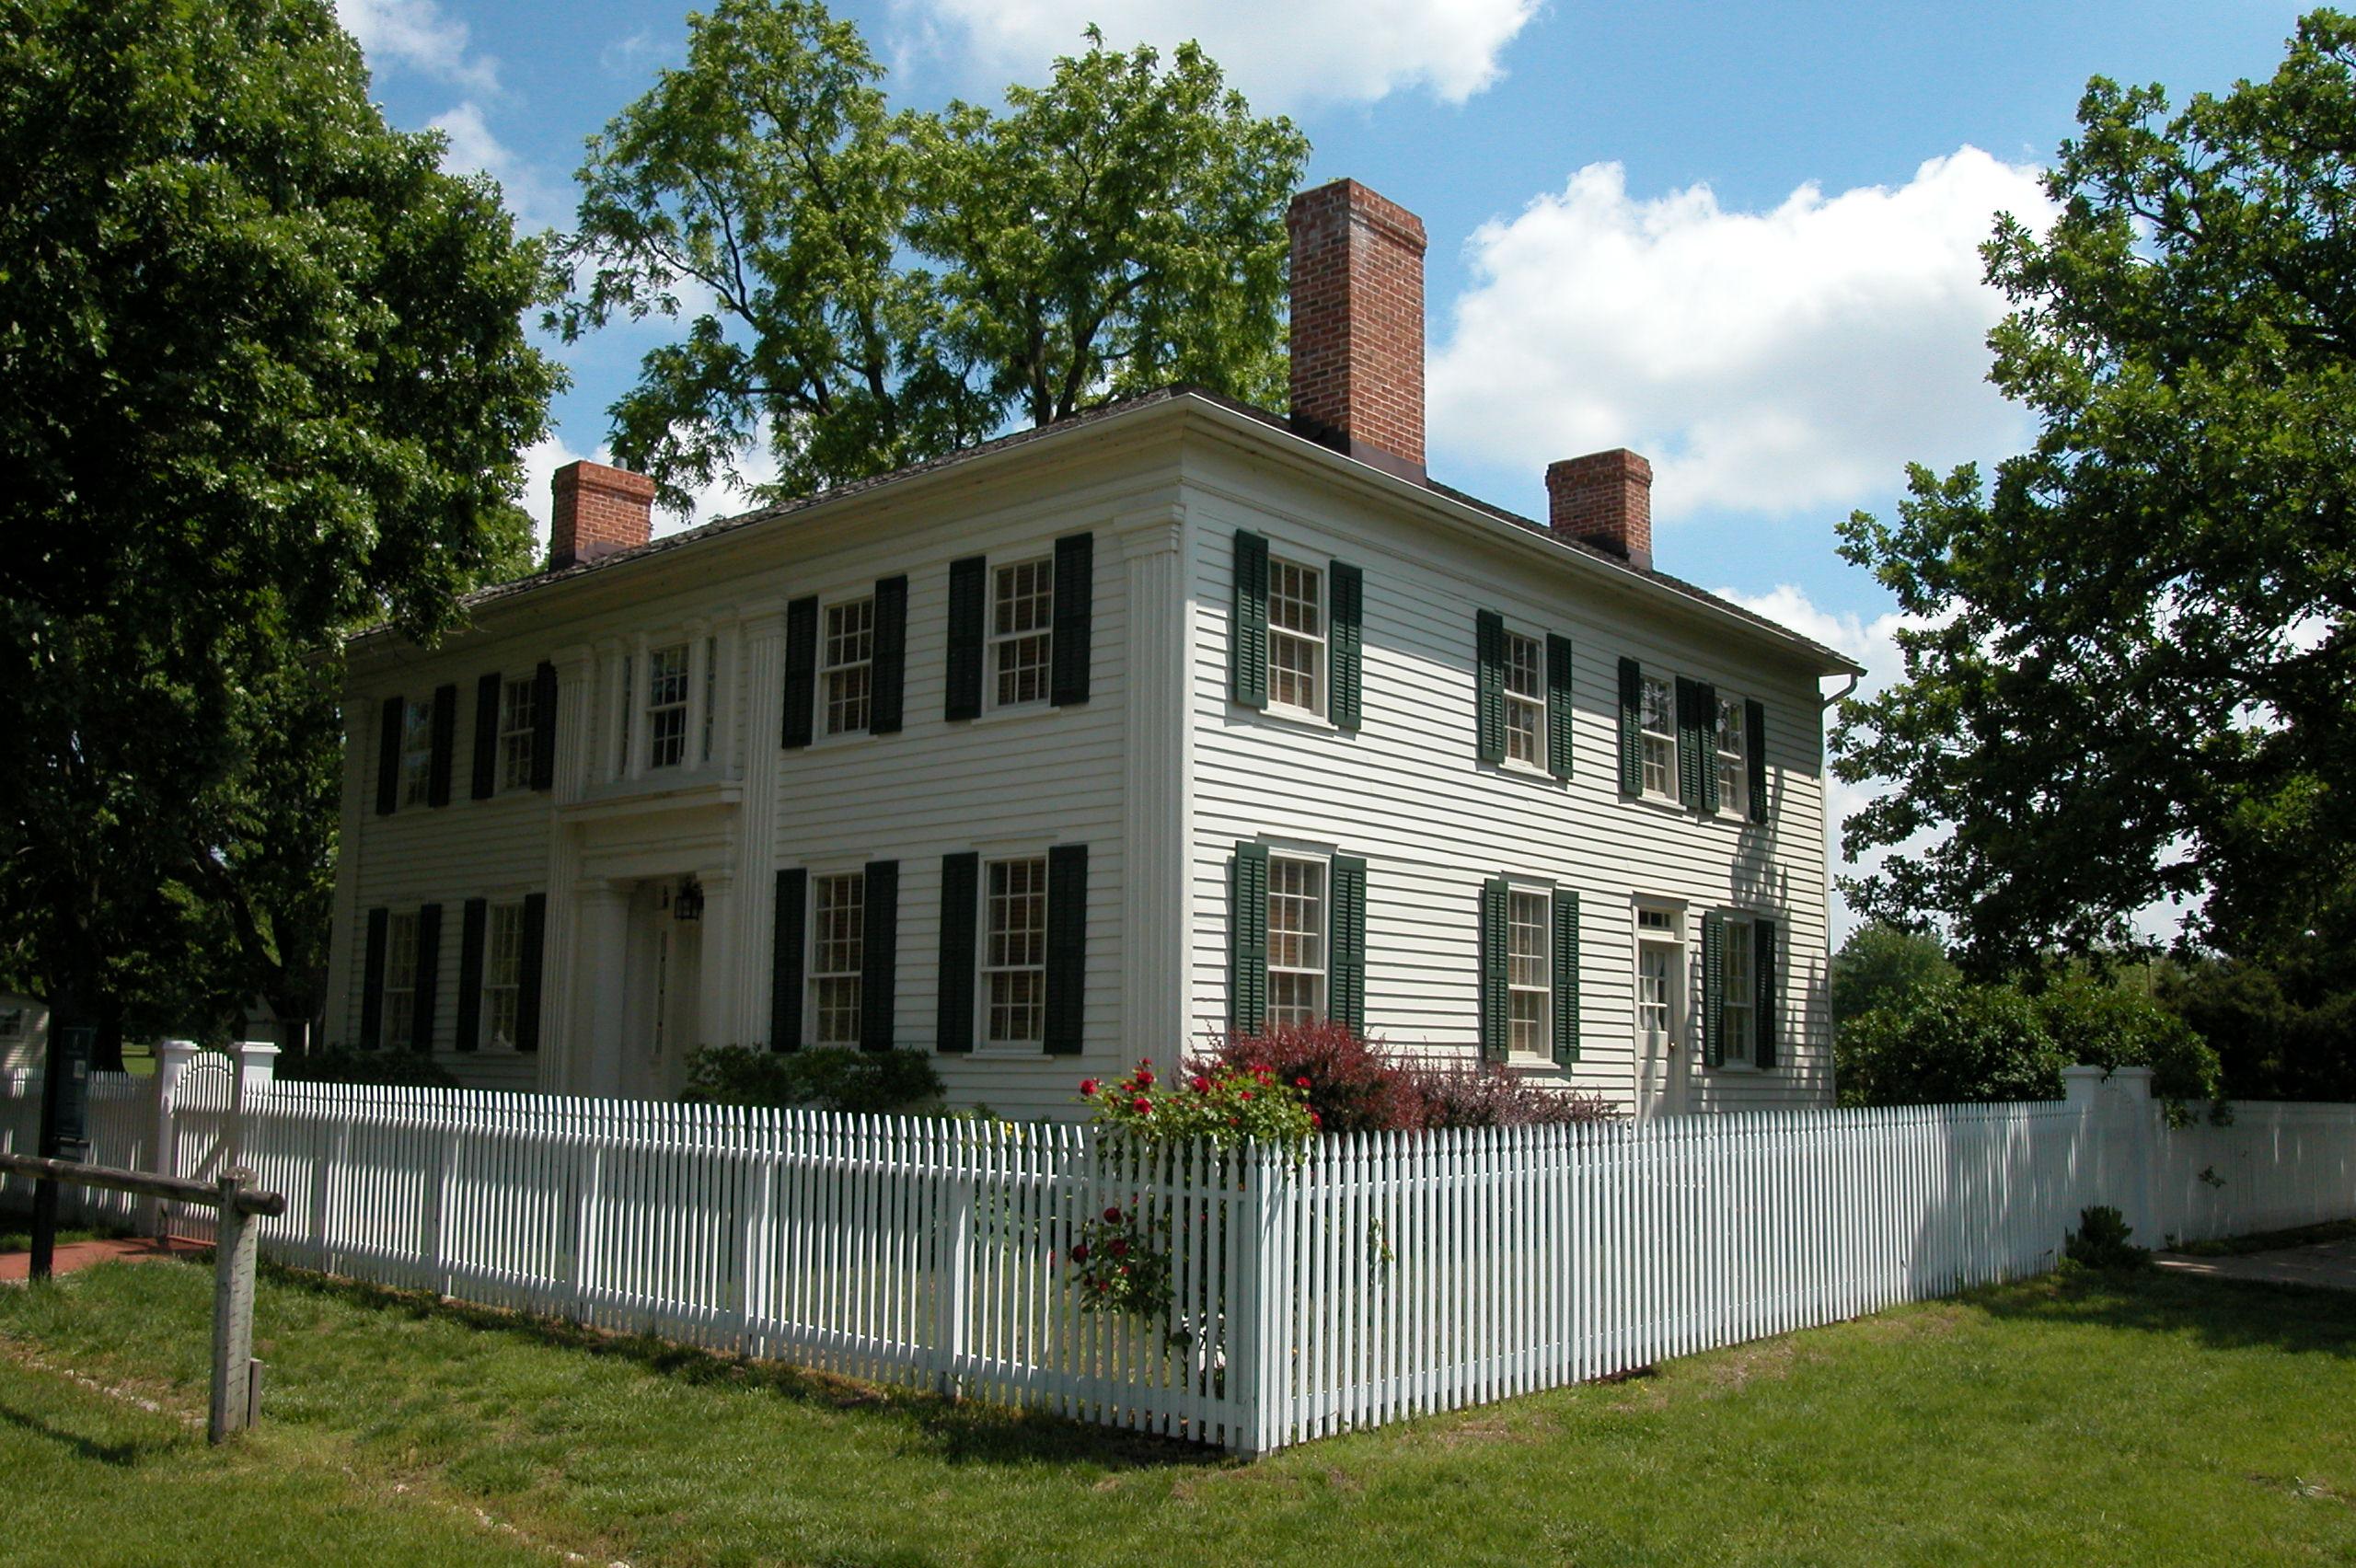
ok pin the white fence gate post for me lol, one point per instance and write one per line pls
(173, 1057)
(952, 1307)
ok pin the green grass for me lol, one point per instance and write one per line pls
(2081, 1422)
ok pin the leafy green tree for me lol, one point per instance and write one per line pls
(2283, 1029)
(2139, 674)
(864, 290)
(1882, 965)
(262, 375)
(1948, 1042)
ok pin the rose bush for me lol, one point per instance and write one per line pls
(1354, 1085)
(1224, 1106)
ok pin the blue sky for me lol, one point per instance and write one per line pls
(1738, 238)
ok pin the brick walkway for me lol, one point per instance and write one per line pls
(73, 1256)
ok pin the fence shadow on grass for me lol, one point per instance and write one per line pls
(2219, 1314)
(954, 1432)
(126, 1455)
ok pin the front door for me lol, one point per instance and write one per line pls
(1661, 1059)
(678, 983)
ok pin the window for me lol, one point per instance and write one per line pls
(711, 691)
(1296, 637)
(1525, 700)
(1529, 922)
(515, 735)
(1659, 739)
(1740, 1002)
(503, 974)
(400, 980)
(838, 935)
(622, 762)
(1657, 960)
(847, 668)
(1014, 951)
(417, 753)
(666, 706)
(1295, 940)
(1022, 608)
(1734, 766)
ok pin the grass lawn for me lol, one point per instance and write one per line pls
(2091, 1422)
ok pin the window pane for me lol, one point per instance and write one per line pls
(1296, 636)
(849, 655)
(666, 706)
(839, 929)
(1295, 940)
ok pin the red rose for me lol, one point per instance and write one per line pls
(1088, 1086)
(1079, 1251)
(1145, 1061)
(1243, 1094)
(1141, 1105)
(1112, 1214)
(1201, 1084)
(1117, 1247)
(1301, 1083)
(1144, 1078)
(1315, 1120)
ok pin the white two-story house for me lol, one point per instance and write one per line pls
(1085, 744)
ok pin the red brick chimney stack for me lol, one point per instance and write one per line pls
(1604, 499)
(1357, 325)
(598, 510)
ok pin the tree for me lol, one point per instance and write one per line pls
(262, 375)
(1880, 965)
(864, 290)
(2138, 677)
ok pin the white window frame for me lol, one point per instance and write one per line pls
(1317, 940)
(1657, 748)
(1525, 739)
(847, 684)
(1660, 925)
(1518, 896)
(1002, 643)
(825, 976)
(417, 753)
(1733, 763)
(660, 712)
(1316, 645)
(397, 997)
(518, 733)
(998, 965)
(1738, 1003)
(502, 975)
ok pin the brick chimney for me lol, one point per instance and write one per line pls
(598, 510)
(1357, 326)
(1604, 499)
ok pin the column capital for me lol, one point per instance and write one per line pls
(1151, 530)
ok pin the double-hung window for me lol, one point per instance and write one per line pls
(1014, 951)
(1297, 636)
(401, 981)
(515, 733)
(666, 706)
(1733, 763)
(1659, 740)
(502, 974)
(838, 941)
(847, 668)
(1738, 1008)
(1529, 972)
(1525, 693)
(417, 753)
(1021, 636)
(1297, 926)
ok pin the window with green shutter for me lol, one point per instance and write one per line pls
(429, 972)
(489, 689)
(1489, 686)
(968, 617)
(879, 955)
(1347, 986)
(1248, 643)
(1714, 990)
(1559, 708)
(1247, 889)
(1074, 619)
(1763, 933)
(372, 980)
(445, 744)
(1566, 957)
(786, 938)
(1754, 724)
(1495, 989)
(960, 902)
(1632, 727)
(890, 655)
(801, 674)
(473, 924)
(1066, 948)
(543, 774)
(530, 965)
(1348, 643)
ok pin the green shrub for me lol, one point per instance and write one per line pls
(830, 1078)
(401, 1070)
(2109, 1026)
(1948, 1042)
(2100, 1242)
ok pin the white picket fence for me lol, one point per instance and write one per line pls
(1376, 1279)
(123, 1134)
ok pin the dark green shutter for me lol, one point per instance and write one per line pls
(543, 727)
(1754, 751)
(1248, 647)
(472, 921)
(1073, 644)
(389, 726)
(1347, 940)
(429, 977)
(530, 965)
(1567, 975)
(879, 956)
(793, 910)
(1558, 706)
(1631, 728)
(486, 776)
(445, 741)
(1066, 948)
(1489, 700)
(372, 980)
(1247, 939)
(1348, 642)
(1705, 698)
(885, 702)
(801, 672)
(968, 606)
(1496, 1038)
(1714, 990)
(1762, 965)
(1697, 753)
(960, 897)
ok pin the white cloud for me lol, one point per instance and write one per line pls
(417, 35)
(1283, 56)
(1764, 361)
(537, 201)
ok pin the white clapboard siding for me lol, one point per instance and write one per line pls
(1377, 1278)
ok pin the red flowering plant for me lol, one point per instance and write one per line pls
(1225, 1106)
(1122, 1263)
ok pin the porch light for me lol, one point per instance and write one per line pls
(688, 903)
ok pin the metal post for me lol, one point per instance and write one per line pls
(236, 1384)
(65, 1130)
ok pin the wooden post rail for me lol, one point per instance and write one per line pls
(236, 1376)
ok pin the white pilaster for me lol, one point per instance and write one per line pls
(602, 961)
(1157, 783)
(716, 984)
(559, 942)
(761, 637)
